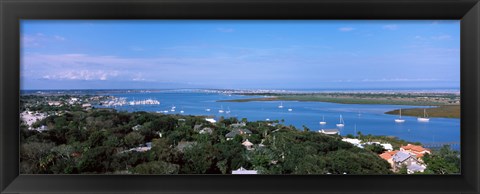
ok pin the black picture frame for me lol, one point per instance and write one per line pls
(12, 11)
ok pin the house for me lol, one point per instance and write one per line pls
(387, 146)
(136, 127)
(415, 168)
(143, 148)
(211, 120)
(41, 128)
(419, 151)
(242, 170)
(185, 144)
(330, 131)
(54, 103)
(87, 105)
(388, 156)
(29, 117)
(236, 132)
(248, 144)
(355, 142)
(272, 124)
(197, 127)
(403, 158)
(206, 130)
(72, 100)
(238, 125)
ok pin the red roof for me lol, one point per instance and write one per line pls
(388, 154)
(415, 148)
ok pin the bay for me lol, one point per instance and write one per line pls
(366, 118)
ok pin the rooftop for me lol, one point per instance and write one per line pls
(401, 156)
(388, 154)
(238, 131)
(242, 170)
(415, 148)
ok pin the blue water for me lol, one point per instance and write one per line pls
(367, 118)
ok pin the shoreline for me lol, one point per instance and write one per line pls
(445, 111)
(438, 111)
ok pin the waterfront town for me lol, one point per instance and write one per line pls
(67, 134)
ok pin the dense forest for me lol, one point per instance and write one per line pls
(98, 141)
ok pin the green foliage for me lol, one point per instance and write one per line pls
(199, 159)
(403, 169)
(156, 167)
(444, 161)
(376, 148)
(133, 139)
(232, 154)
(343, 161)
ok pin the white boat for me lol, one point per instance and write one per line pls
(424, 118)
(228, 111)
(267, 119)
(342, 123)
(165, 111)
(323, 122)
(208, 110)
(290, 110)
(281, 105)
(221, 110)
(399, 119)
(173, 108)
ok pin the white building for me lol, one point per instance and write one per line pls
(355, 142)
(242, 170)
(211, 120)
(387, 146)
(248, 144)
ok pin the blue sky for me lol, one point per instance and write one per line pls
(314, 54)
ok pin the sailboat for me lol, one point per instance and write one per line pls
(290, 110)
(281, 105)
(424, 118)
(207, 109)
(323, 122)
(342, 123)
(221, 110)
(182, 111)
(399, 119)
(173, 108)
(228, 111)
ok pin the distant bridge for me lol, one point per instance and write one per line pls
(440, 144)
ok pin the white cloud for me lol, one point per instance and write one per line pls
(346, 29)
(390, 27)
(138, 77)
(39, 40)
(60, 38)
(81, 75)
